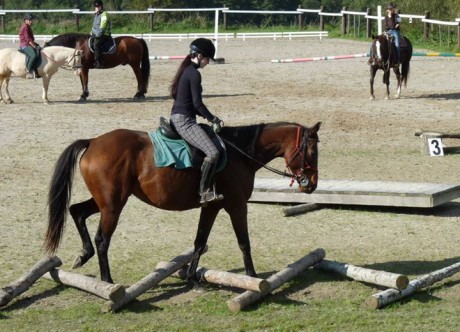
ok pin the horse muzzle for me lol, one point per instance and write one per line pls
(307, 184)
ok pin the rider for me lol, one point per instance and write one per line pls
(392, 26)
(29, 46)
(186, 91)
(100, 30)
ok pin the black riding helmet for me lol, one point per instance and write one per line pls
(203, 46)
(28, 16)
(98, 3)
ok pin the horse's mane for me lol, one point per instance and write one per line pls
(245, 137)
(67, 39)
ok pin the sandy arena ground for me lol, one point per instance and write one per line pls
(360, 140)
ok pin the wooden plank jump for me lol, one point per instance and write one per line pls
(391, 295)
(24, 282)
(348, 192)
(105, 290)
(243, 300)
(426, 135)
(376, 277)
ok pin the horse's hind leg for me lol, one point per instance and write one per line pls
(386, 80)
(80, 212)
(5, 83)
(140, 94)
(373, 70)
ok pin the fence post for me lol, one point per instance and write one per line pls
(368, 23)
(426, 26)
(2, 21)
(344, 22)
(458, 34)
(77, 18)
(151, 21)
(300, 18)
(224, 18)
(321, 19)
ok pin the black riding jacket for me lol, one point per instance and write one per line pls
(189, 100)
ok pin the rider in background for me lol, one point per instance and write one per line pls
(101, 29)
(393, 25)
(29, 46)
(186, 91)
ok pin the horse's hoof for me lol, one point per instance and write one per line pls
(78, 263)
(387, 98)
(46, 102)
(82, 99)
(397, 96)
(371, 97)
(139, 96)
(198, 288)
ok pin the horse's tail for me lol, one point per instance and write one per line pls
(145, 65)
(60, 192)
(405, 68)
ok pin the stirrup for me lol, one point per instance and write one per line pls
(210, 195)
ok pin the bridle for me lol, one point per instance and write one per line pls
(301, 143)
(300, 146)
(385, 64)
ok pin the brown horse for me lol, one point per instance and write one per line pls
(383, 56)
(130, 51)
(120, 163)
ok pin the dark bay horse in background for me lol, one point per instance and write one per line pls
(383, 56)
(130, 51)
(120, 163)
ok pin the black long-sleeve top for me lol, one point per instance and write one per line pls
(189, 100)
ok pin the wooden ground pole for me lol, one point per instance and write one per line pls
(106, 290)
(149, 281)
(23, 283)
(291, 271)
(376, 277)
(391, 295)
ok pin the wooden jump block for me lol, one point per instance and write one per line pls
(225, 278)
(105, 290)
(391, 295)
(23, 283)
(249, 297)
(149, 281)
(381, 278)
(427, 135)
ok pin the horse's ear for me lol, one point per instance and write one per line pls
(373, 36)
(315, 128)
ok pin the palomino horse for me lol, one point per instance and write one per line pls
(120, 163)
(130, 51)
(383, 56)
(13, 62)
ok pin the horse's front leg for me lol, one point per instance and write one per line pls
(239, 216)
(373, 70)
(84, 75)
(207, 217)
(399, 80)
(4, 84)
(46, 84)
(386, 80)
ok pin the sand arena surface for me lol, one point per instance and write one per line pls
(360, 140)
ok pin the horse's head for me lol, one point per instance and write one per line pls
(302, 160)
(380, 49)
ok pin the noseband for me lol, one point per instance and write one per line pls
(300, 146)
(73, 59)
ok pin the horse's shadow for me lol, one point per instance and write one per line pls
(438, 96)
(146, 99)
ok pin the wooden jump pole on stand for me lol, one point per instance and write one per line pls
(381, 278)
(105, 290)
(150, 281)
(225, 278)
(291, 271)
(391, 295)
(23, 283)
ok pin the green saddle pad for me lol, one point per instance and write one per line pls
(169, 152)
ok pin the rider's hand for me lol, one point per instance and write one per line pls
(217, 124)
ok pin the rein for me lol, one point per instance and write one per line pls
(298, 147)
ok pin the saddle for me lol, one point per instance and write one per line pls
(171, 149)
(108, 45)
(38, 60)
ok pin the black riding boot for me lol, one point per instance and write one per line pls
(207, 187)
